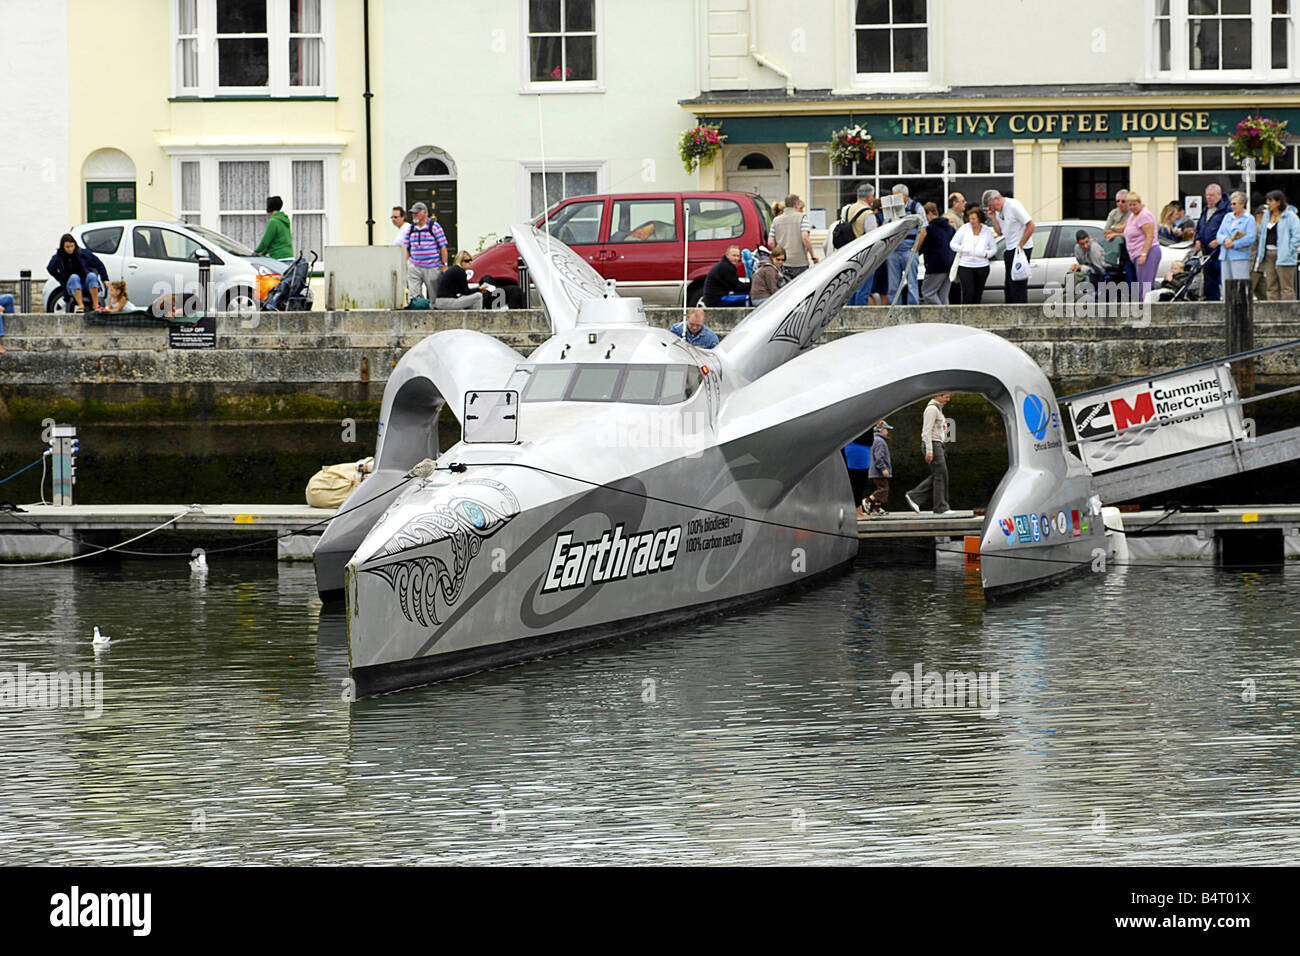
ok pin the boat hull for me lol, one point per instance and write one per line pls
(400, 675)
(432, 595)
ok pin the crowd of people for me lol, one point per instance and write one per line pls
(1228, 242)
(434, 278)
(958, 245)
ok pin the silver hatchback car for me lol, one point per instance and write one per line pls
(1053, 254)
(156, 258)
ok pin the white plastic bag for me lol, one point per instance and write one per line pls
(952, 272)
(1019, 266)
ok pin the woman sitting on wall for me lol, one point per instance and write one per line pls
(454, 291)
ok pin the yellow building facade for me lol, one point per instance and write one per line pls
(196, 110)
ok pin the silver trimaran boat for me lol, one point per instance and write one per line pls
(619, 479)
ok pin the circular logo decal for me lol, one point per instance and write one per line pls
(1037, 417)
(475, 514)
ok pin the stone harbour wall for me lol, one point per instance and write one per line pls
(346, 356)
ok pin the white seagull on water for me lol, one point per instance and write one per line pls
(198, 561)
(100, 640)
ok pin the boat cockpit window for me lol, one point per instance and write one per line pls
(638, 384)
(595, 384)
(544, 383)
(641, 384)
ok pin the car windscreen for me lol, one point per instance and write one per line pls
(224, 243)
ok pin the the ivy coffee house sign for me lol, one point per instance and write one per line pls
(1002, 125)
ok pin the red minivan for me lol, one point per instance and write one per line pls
(639, 239)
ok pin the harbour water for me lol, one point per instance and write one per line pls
(1144, 716)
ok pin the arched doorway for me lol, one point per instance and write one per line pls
(758, 169)
(429, 176)
(109, 175)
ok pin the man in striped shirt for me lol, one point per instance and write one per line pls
(426, 254)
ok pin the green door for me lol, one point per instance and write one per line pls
(110, 201)
(440, 196)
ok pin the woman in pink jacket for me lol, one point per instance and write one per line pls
(1143, 249)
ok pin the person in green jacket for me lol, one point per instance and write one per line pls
(276, 241)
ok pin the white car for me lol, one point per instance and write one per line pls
(158, 258)
(1053, 254)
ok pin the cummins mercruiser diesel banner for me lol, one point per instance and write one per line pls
(1166, 416)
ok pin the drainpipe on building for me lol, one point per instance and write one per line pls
(367, 96)
(758, 57)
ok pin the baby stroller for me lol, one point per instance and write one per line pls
(291, 293)
(1190, 287)
(1194, 286)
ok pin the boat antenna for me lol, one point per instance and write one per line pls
(546, 209)
(686, 255)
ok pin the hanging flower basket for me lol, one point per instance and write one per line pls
(850, 145)
(698, 146)
(1258, 138)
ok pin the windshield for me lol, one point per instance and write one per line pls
(637, 384)
(224, 243)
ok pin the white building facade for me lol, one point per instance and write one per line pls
(480, 101)
(1058, 105)
(34, 130)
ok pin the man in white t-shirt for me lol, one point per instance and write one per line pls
(1011, 221)
(402, 226)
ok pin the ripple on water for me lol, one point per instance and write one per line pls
(769, 736)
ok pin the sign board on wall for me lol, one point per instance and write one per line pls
(201, 334)
(1165, 416)
(898, 124)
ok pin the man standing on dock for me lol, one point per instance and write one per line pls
(934, 429)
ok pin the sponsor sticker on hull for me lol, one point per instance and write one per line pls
(1022, 529)
(1041, 421)
(1161, 417)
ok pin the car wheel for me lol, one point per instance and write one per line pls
(56, 303)
(693, 293)
(240, 301)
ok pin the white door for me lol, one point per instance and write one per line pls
(159, 261)
(772, 186)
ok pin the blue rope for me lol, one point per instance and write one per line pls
(21, 470)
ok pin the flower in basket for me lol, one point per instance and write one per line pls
(698, 146)
(850, 145)
(1258, 138)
